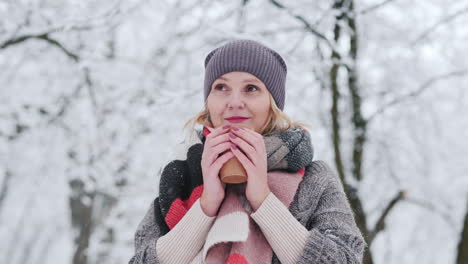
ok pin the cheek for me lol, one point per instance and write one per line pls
(214, 109)
(262, 109)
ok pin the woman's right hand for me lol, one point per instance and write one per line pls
(212, 160)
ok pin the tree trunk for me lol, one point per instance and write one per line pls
(346, 16)
(81, 205)
(462, 255)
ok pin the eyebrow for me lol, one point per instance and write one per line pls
(248, 80)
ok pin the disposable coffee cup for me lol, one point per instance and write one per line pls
(233, 171)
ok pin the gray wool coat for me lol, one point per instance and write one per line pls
(320, 205)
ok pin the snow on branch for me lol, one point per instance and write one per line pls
(380, 225)
(418, 91)
(43, 36)
(307, 25)
(439, 23)
(374, 7)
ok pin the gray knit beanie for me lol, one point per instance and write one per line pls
(248, 56)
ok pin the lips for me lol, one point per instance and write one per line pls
(236, 119)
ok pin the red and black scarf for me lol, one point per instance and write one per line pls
(181, 182)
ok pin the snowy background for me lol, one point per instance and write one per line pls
(94, 94)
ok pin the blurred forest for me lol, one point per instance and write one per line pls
(94, 94)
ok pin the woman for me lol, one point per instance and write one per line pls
(290, 210)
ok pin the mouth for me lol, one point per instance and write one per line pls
(236, 119)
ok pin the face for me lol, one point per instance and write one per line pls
(239, 94)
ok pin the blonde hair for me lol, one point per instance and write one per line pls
(277, 120)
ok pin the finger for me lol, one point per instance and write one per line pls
(212, 154)
(217, 151)
(241, 157)
(221, 160)
(216, 132)
(254, 133)
(245, 147)
(209, 155)
(219, 139)
(250, 138)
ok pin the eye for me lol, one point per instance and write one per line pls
(252, 86)
(218, 87)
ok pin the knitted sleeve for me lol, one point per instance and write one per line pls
(146, 235)
(179, 245)
(333, 234)
(286, 236)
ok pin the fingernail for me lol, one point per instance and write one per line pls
(226, 126)
(235, 128)
(232, 135)
(233, 146)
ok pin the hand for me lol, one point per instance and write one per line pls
(254, 159)
(216, 143)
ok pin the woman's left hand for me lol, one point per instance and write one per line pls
(254, 161)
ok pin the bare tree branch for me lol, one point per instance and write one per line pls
(439, 23)
(286, 29)
(19, 229)
(374, 7)
(89, 85)
(5, 187)
(31, 241)
(447, 217)
(307, 25)
(418, 91)
(380, 225)
(66, 102)
(45, 247)
(43, 36)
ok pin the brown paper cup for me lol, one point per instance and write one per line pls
(233, 171)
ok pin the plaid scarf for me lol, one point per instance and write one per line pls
(234, 237)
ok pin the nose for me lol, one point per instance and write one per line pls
(235, 100)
